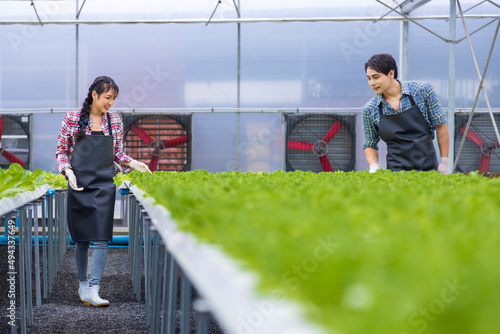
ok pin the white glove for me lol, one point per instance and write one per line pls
(443, 166)
(72, 180)
(374, 167)
(140, 166)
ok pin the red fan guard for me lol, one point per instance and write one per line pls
(6, 154)
(486, 149)
(155, 146)
(320, 147)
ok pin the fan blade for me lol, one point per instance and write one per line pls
(472, 136)
(153, 164)
(142, 134)
(1, 127)
(299, 145)
(332, 132)
(176, 141)
(325, 163)
(484, 164)
(12, 158)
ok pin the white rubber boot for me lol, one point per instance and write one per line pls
(82, 290)
(92, 297)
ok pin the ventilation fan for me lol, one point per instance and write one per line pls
(481, 150)
(320, 142)
(163, 142)
(14, 141)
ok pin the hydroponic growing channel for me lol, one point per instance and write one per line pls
(387, 252)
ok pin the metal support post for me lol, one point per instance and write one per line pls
(203, 316)
(404, 50)
(28, 260)
(22, 285)
(147, 266)
(480, 87)
(50, 241)
(172, 296)
(185, 304)
(36, 244)
(156, 283)
(165, 291)
(44, 247)
(451, 80)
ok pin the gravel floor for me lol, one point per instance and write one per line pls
(62, 312)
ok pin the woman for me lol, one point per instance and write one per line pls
(89, 150)
(405, 115)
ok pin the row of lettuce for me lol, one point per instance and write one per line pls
(16, 180)
(406, 252)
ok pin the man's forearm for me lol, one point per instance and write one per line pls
(371, 155)
(443, 139)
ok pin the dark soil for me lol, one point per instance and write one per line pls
(63, 312)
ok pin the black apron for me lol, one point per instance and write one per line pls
(409, 140)
(90, 211)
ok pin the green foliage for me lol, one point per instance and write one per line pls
(17, 180)
(56, 181)
(120, 178)
(387, 252)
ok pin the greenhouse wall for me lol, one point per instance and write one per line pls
(236, 78)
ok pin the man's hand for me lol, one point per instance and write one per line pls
(443, 166)
(374, 167)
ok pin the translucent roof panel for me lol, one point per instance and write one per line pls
(257, 64)
(119, 10)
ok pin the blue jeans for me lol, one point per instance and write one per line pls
(98, 261)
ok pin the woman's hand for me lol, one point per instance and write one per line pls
(140, 166)
(72, 179)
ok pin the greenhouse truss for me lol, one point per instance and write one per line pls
(260, 213)
(231, 65)
(24, 23)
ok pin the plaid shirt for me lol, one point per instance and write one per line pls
(66, 139)
(425, 98)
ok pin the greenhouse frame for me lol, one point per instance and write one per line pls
(253, 209)
(238, 66)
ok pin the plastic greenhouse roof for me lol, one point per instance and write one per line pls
(193, 11)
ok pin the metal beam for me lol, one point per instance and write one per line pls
(407, 7)
(478, 4)
(475, 31)
(36, 12)
(83, 4)
(253, 20)
(392, 9)
(480, 87)
(414, 21)
(493, 3)
(236, 7)
(213, 13)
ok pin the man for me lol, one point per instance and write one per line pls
(405, 116)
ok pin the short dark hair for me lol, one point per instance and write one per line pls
(382, 63)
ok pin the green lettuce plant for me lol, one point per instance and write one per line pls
(406, 252)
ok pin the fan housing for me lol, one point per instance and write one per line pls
(161, 141)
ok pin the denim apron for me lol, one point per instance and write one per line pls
(90, 211)
(409, 140)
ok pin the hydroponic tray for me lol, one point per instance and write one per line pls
(10, 204)
(229, 290)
